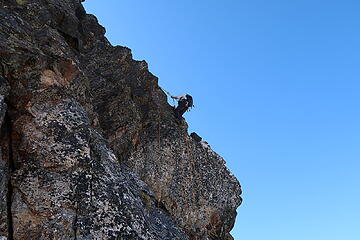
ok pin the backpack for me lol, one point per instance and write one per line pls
(189, 100)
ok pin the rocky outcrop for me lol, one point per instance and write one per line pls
(90, 147)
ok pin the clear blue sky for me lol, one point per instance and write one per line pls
(276, 86)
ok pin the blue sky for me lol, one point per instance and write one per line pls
(276, 88)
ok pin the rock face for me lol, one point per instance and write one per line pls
(90, 148)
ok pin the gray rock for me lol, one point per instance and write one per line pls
(190, 182)
(4, 179)
(90, 147)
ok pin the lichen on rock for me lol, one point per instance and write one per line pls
(90, 148)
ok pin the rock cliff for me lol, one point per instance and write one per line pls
(90, 148)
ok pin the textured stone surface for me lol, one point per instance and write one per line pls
(4, 176)
(91, 146)
(191, 182)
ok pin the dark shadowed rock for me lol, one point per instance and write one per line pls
(90, 148)
(4, 176)
(196, 137)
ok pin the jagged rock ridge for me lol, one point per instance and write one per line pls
(90, 147)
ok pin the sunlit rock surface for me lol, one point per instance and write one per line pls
(90, 147)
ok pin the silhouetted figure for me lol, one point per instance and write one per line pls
(184, 103)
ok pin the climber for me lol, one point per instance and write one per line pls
(184, 103)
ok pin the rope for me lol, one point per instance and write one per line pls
(169, 94)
